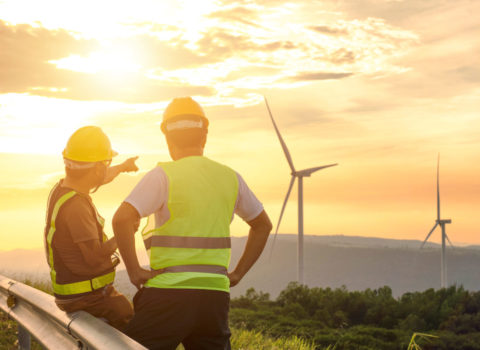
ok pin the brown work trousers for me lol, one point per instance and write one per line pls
(106, 303)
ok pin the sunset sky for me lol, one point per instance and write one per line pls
(378, 86)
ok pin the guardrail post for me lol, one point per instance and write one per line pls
(23, 338)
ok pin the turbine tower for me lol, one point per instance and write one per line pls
(296, 174)
(442, 223)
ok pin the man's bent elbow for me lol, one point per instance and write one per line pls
(261, 223)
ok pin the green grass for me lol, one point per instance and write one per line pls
(9, 328)
(243, 339)
(9, 334)
(44, 286)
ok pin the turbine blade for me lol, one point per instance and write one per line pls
(438, 187)
(429, 234)
(292, 181)
(284, 146)
(309, 171)
(448, 239)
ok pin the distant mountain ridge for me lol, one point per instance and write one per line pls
(330, 261)
(358, 241)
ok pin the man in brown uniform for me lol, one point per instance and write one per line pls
(78, 251)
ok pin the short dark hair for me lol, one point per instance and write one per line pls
(185, 138)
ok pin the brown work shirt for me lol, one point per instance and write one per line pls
(76, 222)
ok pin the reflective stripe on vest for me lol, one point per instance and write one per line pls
(188, 242)
(192, 249)
(75, 287)
(195, 268)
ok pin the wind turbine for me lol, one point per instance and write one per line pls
(296, 174)
(442, 223)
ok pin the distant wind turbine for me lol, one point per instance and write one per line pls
(442, 224)
(300, 174)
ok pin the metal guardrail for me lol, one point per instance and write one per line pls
(38, 315)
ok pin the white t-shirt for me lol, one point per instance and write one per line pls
(150, 196)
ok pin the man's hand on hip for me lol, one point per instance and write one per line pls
(234, 278)
(140, 276)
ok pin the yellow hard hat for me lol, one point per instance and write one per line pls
(89, 144)
(183, 108)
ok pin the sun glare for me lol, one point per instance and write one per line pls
(41, 125)
(110, 60)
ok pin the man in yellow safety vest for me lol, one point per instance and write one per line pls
(193, 200)
(78, 252)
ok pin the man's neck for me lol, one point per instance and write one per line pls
(78, 186)
(179, 153)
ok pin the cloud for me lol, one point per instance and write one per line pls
(306, 76)
(468, 73)
(26, 51)
(342, 56)
(329, 30)
(236, 47)
(243, 15)
(25, 68)
(393, 11)
(370, 105)
(153, 27)
(219, 44)
(255, 2)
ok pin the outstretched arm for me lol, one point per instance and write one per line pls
(260, 228)
(125, 224)
(114, 171)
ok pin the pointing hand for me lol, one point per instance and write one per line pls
(129, 164)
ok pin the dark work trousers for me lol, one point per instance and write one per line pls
(165, 318)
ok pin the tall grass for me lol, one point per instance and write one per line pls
(44, 286)
(243, 339)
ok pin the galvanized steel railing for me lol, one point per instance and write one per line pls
(37, 315)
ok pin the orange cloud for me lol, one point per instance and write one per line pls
(26, 51)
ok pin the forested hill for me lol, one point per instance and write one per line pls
(359, 263)
(330, 261)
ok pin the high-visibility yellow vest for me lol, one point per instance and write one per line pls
(81, 286)
(193, 247)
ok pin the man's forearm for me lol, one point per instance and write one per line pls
(257, 238)
(260, 228)
(125, 236)
(125, 224)
(113, 172)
